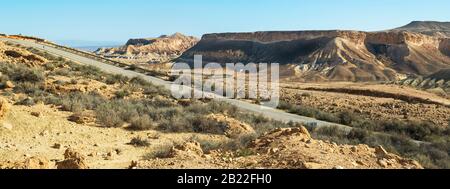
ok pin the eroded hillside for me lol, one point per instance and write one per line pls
(331, 55)
(152, 50)
(59, 114)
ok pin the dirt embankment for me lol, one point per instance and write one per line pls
(291, 148)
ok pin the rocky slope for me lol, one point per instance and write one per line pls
(331, 55)
(161, 49)
(440, 29)
(14, 54)
(291, 148)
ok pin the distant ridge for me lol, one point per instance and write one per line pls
(441, 29)
(417, 49)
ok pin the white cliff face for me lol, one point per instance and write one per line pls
(161, 49)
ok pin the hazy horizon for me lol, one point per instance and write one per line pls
(116, 21)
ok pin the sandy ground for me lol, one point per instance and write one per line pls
(25, 135)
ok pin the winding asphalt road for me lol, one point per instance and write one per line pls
(271, 113)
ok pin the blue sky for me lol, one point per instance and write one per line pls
(119, 20)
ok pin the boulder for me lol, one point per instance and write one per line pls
(72, 160)
(187, 150)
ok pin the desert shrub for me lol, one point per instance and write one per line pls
(161, 102)
(122, 94)
(324, 116)
(306, 94)
(365, 124)
(308, 111)
(30, 88)
(170, 113)
(108, 117)
(283, 105)
(21, 73)
(138, 81)
(417, 130)
(330, 131)
(346, 118)
(358, 134)
(139, 142)
(116, 78)
(3, 79)
(203, 125)
(91, 72)
(161, 151)
(73, 81)
(174, 125)
(26, 102)
(77, 101)
(260, 123)
(221, 107)
(154, 90)
(63, 72)
(141, 122)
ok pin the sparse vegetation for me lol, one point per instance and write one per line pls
(417, 130)
(161, 151)
(154, 112)
(122, 94)
(398, 138)
(139, 142)
(430, 155)
(142, 122)
(159, 111)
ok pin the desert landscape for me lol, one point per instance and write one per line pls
(391, 88)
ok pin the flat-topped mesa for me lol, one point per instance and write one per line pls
(358, 37)
(279, 36)
(402, 37)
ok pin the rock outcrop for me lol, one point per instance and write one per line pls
(231, 127)
(287, 148)
(161, 49)
(187, 150)
(28, 163)
(72, 160)
(17, 55)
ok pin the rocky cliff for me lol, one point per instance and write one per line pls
(161, 49)
(331, 55)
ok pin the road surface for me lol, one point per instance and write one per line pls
(271, 113)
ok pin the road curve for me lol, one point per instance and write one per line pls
(271, 113)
